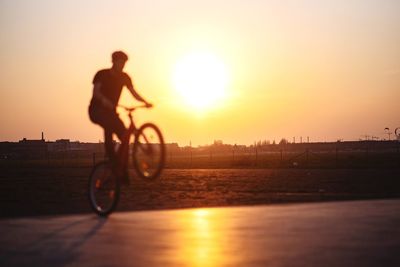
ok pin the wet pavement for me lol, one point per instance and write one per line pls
(348, 233)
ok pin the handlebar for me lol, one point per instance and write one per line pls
(131, 109)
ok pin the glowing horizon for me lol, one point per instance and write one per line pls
(329, 70)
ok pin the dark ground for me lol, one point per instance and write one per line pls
(27, 191)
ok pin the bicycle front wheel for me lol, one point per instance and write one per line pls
(104, 189)
(148, 152)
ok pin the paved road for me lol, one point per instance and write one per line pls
(353, 233)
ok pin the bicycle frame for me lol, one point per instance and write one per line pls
(123, 150)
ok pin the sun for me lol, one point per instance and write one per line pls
(201, 78)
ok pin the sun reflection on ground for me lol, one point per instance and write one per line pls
(201, 243)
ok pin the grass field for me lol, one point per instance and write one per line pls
(39, 190)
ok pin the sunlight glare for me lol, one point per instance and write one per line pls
(201, 78)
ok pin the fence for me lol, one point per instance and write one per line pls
(256, 158)
(366, 155)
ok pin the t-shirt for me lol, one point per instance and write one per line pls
(111, 85)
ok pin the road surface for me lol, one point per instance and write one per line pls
(349, 233)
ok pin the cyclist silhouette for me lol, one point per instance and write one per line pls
(107, 87)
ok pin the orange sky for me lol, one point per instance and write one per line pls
(324, 69)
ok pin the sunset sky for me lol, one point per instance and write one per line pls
(239, 71)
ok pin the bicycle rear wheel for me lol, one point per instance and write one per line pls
(148, 152)
(104, 189)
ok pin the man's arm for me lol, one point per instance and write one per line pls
(136, 95)
(104, 100)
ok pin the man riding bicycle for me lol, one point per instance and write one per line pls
(107, 87)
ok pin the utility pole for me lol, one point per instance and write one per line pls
(366, 136)
(256, 154)
(191, 153)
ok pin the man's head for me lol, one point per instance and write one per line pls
(119, 59)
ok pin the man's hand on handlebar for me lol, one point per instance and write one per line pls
(148, 105)
(131, 109)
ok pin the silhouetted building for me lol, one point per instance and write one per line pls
(62, 145)
(31, 149)
(8, 150)
(173, 147)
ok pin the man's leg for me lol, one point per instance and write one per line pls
(111, 123)
(116, 125)
(109, 145)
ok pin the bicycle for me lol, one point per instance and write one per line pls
(148, 155)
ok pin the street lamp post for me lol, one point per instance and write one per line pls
(387, 130)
